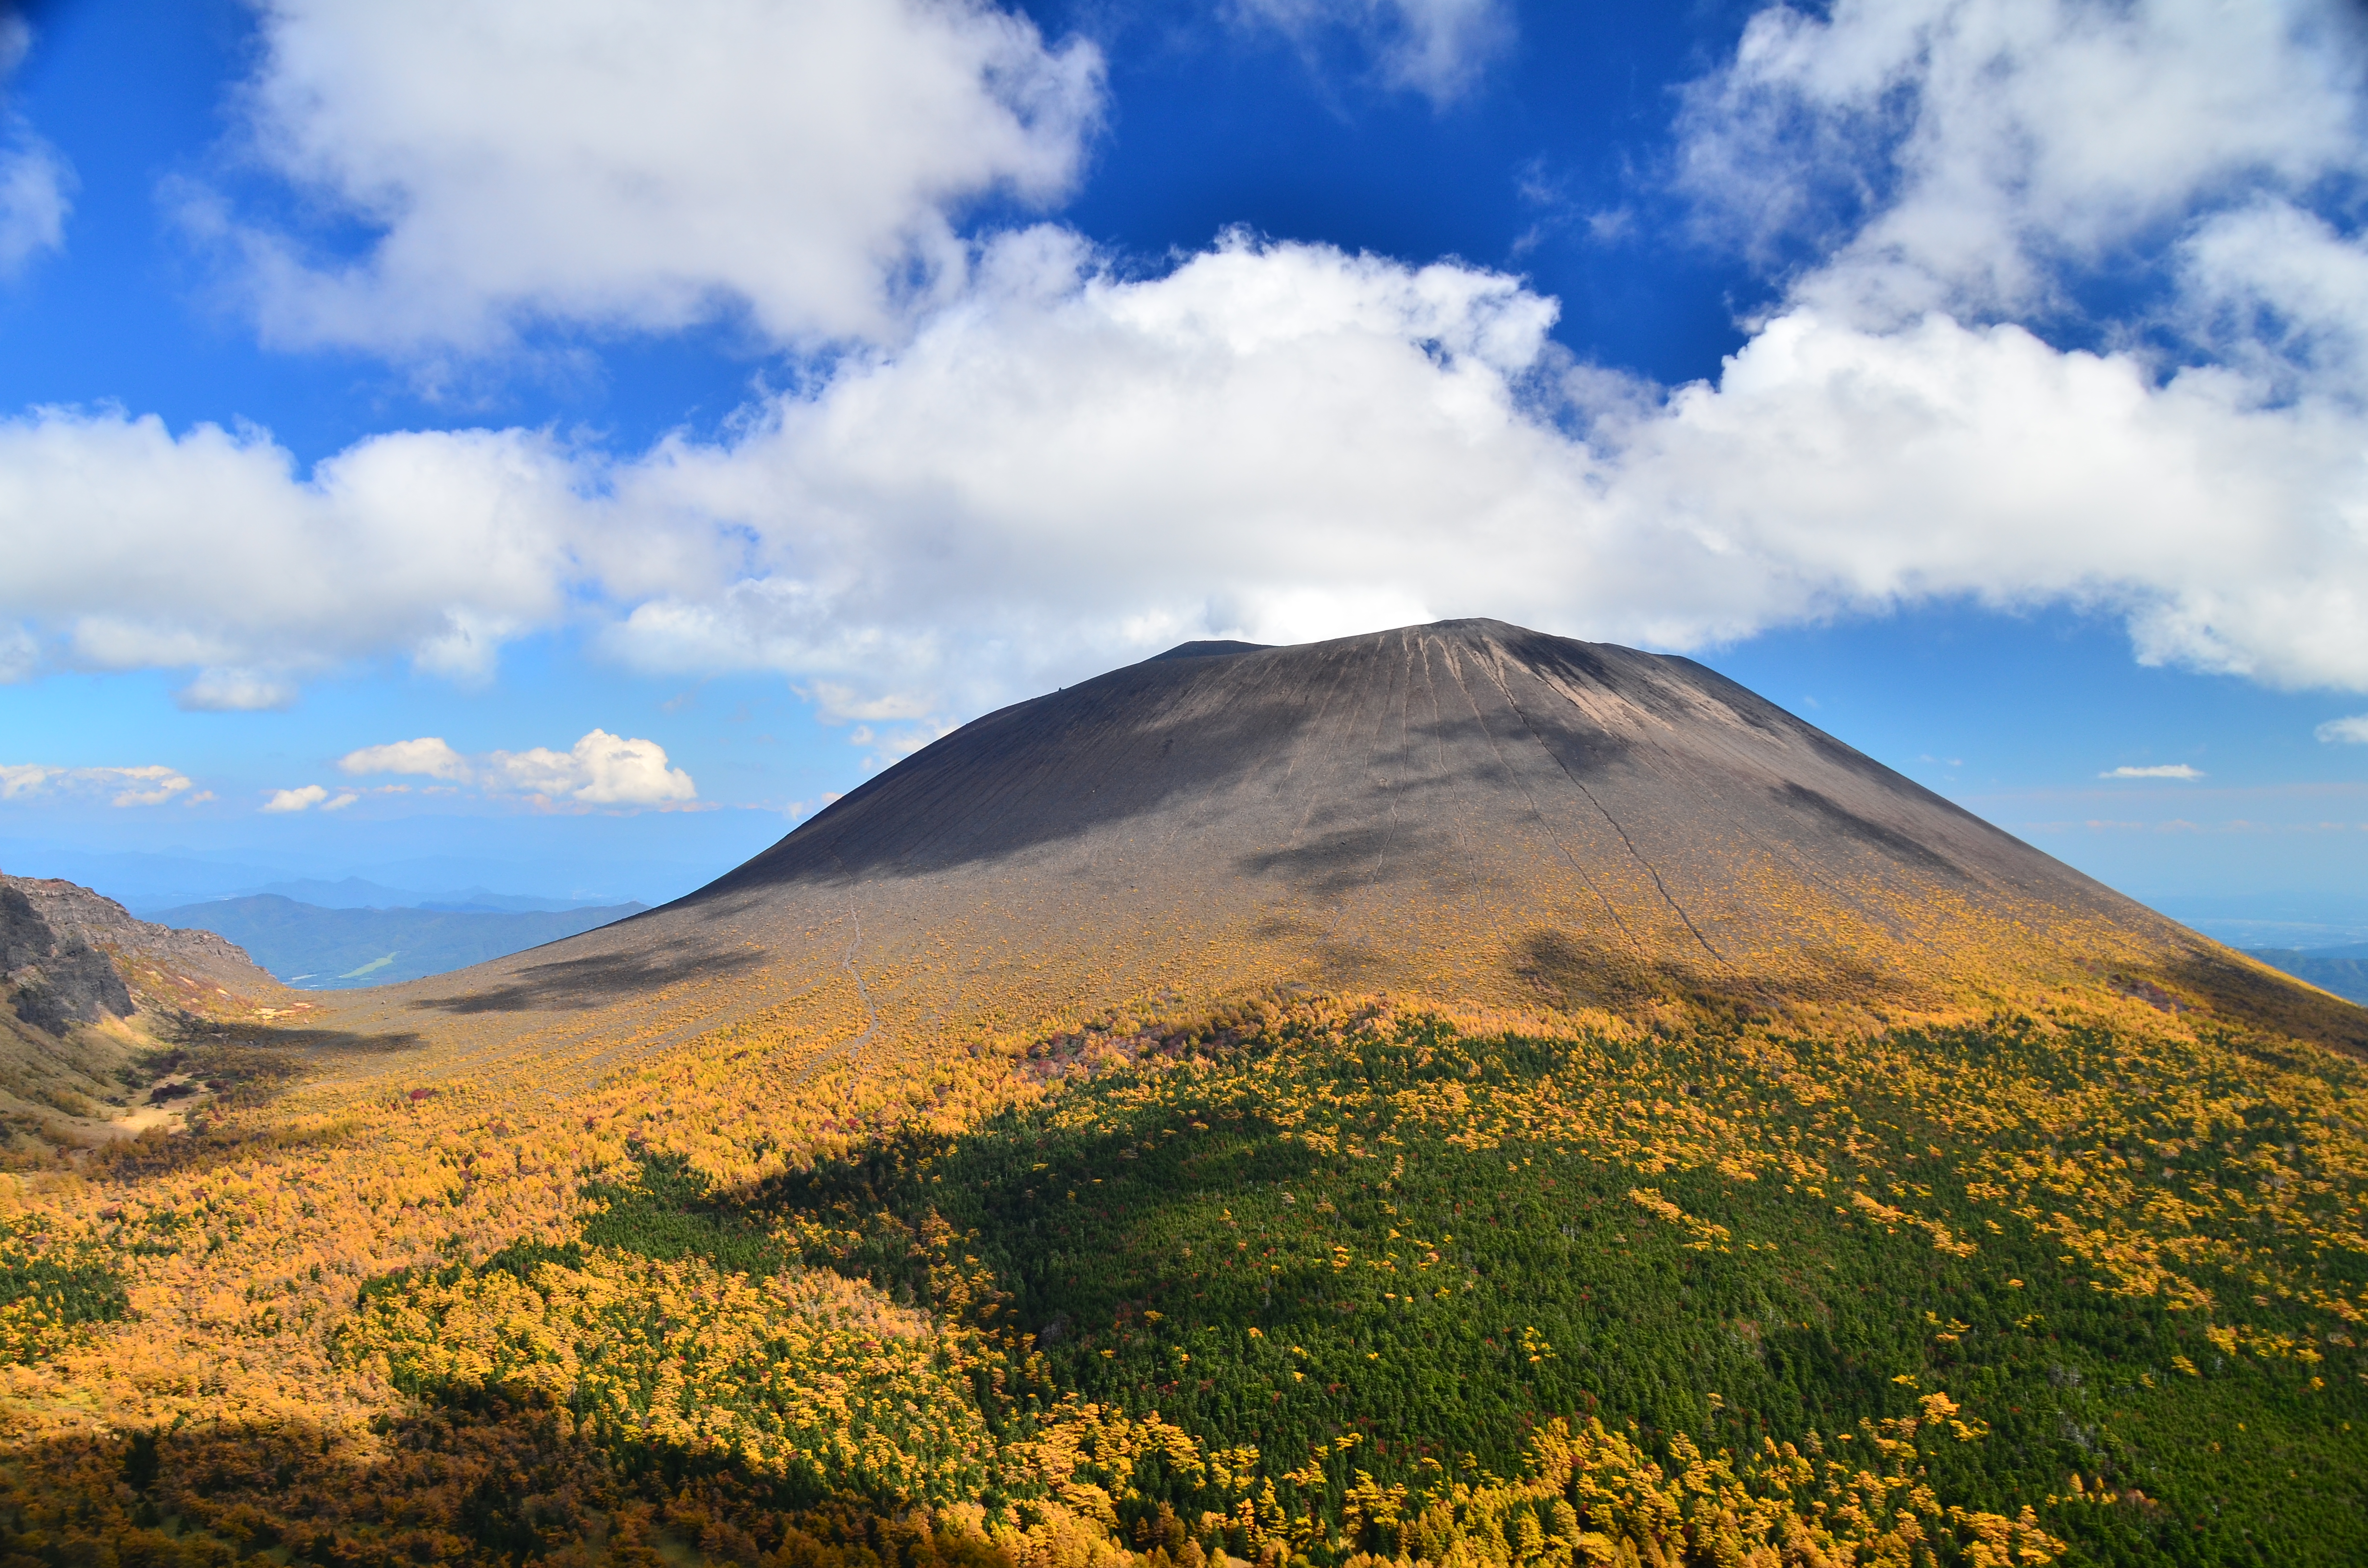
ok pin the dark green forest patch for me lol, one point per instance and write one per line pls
(1172, 1240)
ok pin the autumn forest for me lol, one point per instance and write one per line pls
(1587, 1156)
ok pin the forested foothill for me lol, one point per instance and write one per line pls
(1316, 1279)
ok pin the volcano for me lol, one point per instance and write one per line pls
(1466, 810)
(1452, 1097)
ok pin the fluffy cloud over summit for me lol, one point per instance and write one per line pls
(1053, 462)
(1284, 441)
(1274, 441)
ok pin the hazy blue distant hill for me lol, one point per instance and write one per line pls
(148, 884)
(356, 892)
(2343, 971)
(314, 949)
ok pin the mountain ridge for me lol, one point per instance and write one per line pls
(1467, 809)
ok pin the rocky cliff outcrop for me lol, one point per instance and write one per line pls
(56, 979)
(154, 967)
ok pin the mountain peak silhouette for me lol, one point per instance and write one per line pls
(1468, 809)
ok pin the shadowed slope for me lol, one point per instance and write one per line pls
(1463, 810)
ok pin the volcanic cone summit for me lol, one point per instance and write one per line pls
(1461, 810)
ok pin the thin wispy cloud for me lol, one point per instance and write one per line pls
(36, 181)
(2347, 731)
(236, 691)
(2156, 770)
(1437, 48)
(149, 785)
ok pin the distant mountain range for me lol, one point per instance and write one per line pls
(357, 892)
(147, 883)
(2343, 971)
(318, 946)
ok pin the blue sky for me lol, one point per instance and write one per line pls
(675, 412)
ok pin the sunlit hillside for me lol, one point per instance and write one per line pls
(1247, 1107)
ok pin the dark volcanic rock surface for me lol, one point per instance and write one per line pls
(1467, 809)
(1388, 758)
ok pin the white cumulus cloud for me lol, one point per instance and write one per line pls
(628, 163)
(131, 547)
(1033, 479)
(304, 798)
(601, 769)
(429, 756)
(1057, 461)
(1281, 442)
(20, 778)
(1957, 167)
(1958, 153)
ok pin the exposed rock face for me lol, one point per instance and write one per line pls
(76, 910)
(150, 963)
(57, 981)
(71, 964)
(1467, 810)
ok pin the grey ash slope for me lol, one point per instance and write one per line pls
(1327, 752)
(1467, 809)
